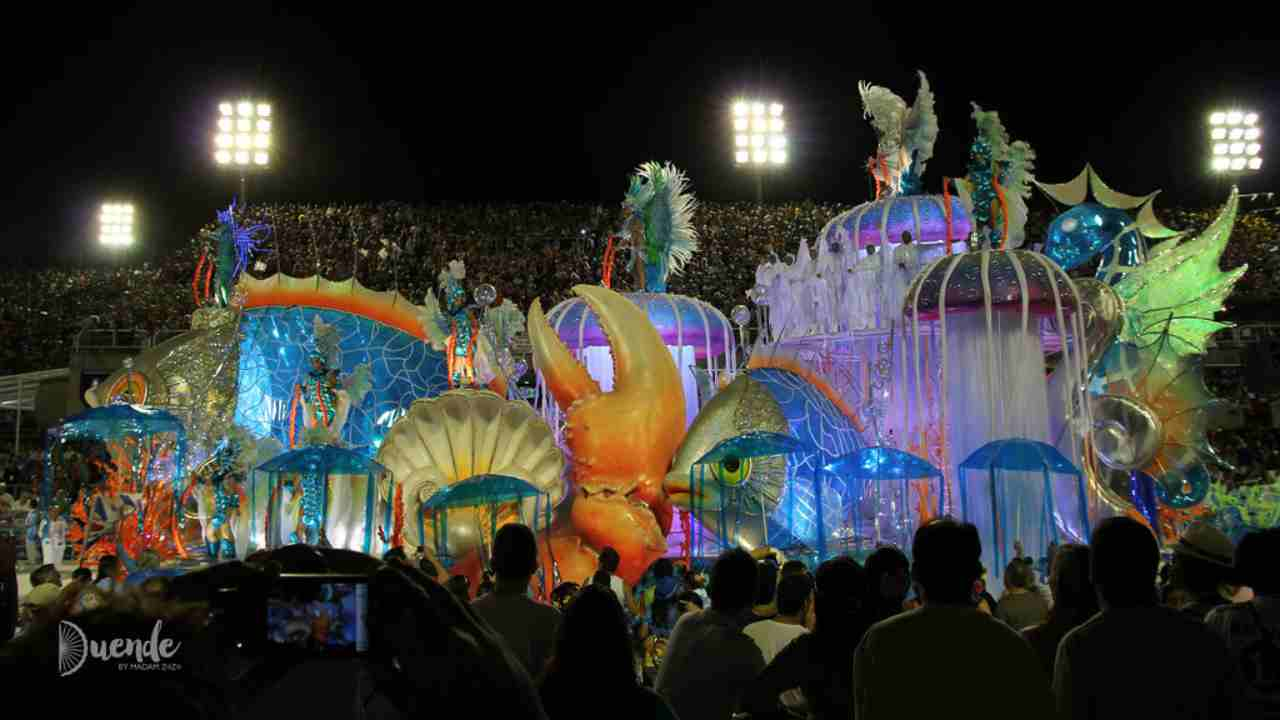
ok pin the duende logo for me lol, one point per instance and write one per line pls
(74, 648)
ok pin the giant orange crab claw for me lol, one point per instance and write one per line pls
(621, 442)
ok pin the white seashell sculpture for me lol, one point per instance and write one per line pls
(461, 434)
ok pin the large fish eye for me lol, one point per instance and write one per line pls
(733, 471)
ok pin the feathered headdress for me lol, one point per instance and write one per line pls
(659, 201)
(999, 179)
(325, 342)
(905, 135)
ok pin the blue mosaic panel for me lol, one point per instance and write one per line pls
(814, 419)
(273, 352)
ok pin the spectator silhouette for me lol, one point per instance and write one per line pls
(529, 628)
(1252, 630)
(888, 580)
(820, 664)
(766, 591)
(1200, 576)
(608, 564)
(1131, 643)
(709, 661)
(1021, 605)
(593, 667)
(460, 586)
(793, 567)
(772, 635)
(963, 652)
(1074, 601)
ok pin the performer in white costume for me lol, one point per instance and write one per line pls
(866, 275)
(826, 289)
(53, 534)
(905, 265)
(800, 317)
(766, 279)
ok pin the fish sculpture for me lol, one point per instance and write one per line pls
(778, 393)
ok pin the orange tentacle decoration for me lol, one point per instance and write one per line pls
(397, 532)
(293, 415)
(606, 273)
(195, 278)
(208, 277)
(1004, 211)
(946, 209)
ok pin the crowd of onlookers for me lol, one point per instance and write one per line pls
(1119, 632)
(524, 250)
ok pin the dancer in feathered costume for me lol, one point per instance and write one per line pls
(998, 183)
(906, 136)
(326, 401)
(657, 225)
(472, 338)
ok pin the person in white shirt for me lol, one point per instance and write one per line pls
(795, 594)
(795, 603)
(53, 536)
(609, 561)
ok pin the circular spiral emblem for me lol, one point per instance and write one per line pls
(73, 648)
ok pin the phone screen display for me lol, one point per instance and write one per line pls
(324, 617)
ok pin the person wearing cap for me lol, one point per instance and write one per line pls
(1251, 629)
(1201, 571)
(38, 604)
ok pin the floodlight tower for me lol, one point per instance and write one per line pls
(243, 139)
(759, 138)
(115, 225)
(1236, 137)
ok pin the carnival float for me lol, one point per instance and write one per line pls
(916, 359)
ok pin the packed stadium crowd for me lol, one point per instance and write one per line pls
(525, 250)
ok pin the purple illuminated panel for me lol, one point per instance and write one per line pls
(680, 320)
(921, 215)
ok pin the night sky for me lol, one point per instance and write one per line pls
(491, 104)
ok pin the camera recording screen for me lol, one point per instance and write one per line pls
(320, 616)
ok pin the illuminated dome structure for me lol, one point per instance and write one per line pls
(697, 334)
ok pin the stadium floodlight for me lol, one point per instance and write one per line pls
(759, 140)
(243, 139)
(1234, 136)
(115, 225)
